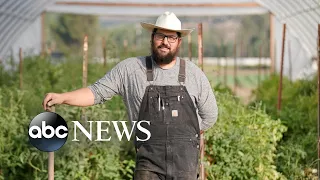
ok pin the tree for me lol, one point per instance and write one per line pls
(69, 31)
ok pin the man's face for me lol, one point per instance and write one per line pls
(164, 49)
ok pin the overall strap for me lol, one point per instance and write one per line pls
(149, 68)
(182, 71)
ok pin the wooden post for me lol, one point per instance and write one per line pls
(43, 34)
(241, 49)
(200, 49)
(235, 66)
(225, 65)
(181, 49)
(272, 44)
(190, 47)
(85, 62)
(202, 144)
(50, 165)
(20, 67)
(219, 62)
(104, 52)
(290, 61)
(85, 67)
(281, 68)
(259, 65)
(318, 100)
(125, 47)
(265, 65)
(51, 157)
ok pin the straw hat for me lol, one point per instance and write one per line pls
(167, 21)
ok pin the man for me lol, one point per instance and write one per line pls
(173, 94)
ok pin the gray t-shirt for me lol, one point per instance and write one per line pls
(128, 79)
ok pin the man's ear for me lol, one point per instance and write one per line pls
(179, 42)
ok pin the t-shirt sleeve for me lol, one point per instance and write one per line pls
(109, 85)
(207, 105)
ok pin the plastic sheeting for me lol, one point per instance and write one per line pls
(301, 18)
(15, 17)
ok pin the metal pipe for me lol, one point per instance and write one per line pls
(247, 4)
(281, 68)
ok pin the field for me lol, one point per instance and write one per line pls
(247, 79)
(249, 140)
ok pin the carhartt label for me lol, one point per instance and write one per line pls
(174, 113)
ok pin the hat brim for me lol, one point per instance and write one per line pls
(150, 27)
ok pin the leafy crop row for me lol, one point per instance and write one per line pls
(242, 144)
(297, 151)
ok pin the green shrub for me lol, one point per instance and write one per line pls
(243, 142)
(75, 160)
(297, 152)
(240, 146)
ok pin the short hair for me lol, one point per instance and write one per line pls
(155, 30)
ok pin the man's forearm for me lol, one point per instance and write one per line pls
(79, 97)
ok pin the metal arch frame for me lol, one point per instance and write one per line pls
(9, 21)
(14, 14)
(4, 8)
(315, 10)
(300, 21)
(296, 33)
(310, 28)
(276, 12)
(12, 33)
(14, 23)
(310, 8)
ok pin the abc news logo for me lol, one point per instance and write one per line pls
(48, 131)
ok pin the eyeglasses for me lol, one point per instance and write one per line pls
(170, 38)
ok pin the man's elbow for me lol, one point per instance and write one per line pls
(209, 121)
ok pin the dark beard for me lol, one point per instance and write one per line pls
(160, 59)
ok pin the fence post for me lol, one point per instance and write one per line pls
(51, 157)
(104, 52)
(281, 68)
(20, 67)
(318, 100)
(235, 66)
(190, 47)
(85, 67)
(202, 144)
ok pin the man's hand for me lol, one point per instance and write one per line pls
(52, 99)
(81, 97)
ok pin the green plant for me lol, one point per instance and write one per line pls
(242, 144)
(297, 150)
